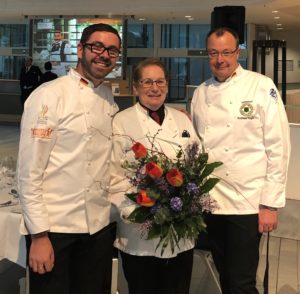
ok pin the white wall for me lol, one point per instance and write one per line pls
(293, 184)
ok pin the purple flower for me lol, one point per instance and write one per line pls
(176, 203)
(192, 151)
(192, 188)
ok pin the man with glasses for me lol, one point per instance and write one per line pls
(241, 119)
(63, 172)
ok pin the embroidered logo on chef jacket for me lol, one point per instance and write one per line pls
(42, 118)
(273, 94)
(246, 110)
(41, 133)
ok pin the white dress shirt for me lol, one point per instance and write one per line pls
(243, 123)
(135, 123)
(64, 154)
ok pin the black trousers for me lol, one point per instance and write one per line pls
(234, 241)
(82, 264)
(152, 275)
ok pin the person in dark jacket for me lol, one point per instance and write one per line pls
(48, 75)
(29, 79)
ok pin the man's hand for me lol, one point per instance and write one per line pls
(267, 220)
(41, 254)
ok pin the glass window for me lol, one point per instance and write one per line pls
(10, 67)
(14, 35)
(140, 36)
(184, 35)
(56, 39)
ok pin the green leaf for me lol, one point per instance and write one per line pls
(132, 196)
(210, 168)
(154, 232)
(162, 216)
(139, 215)
(208, 185)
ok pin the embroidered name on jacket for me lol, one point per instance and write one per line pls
(41, 133)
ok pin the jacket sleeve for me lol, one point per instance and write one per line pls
(119, 183)
(277, 146)
(38, 135)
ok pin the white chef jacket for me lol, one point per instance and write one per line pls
(243, 123)
(64, 154)
(135, 123)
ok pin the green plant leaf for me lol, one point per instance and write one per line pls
(139, 215)
(209, 184)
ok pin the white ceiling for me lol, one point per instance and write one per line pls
(257, 11)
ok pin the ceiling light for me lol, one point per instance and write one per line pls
(278, 24)
(191, 18)
(275, 11)
(188, 16)
(142, 19)
(276, 17)
(280, 28)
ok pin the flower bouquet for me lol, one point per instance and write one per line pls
(171, 194)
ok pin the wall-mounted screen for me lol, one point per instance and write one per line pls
(56, 39)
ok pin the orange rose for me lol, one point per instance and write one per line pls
(139, 150)
(144, 200)
(174, 177)
(153, 170)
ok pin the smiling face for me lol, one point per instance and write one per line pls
(223, 67)
(95, 66)
(154, 96)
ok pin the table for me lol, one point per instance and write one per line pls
(12, 243)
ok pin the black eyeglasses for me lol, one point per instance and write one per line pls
(147, 83)
(225, 53)
(99, 48)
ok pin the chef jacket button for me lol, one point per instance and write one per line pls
(230, 102)
(107, 161)
(228, 125)
(89, 163)
(227, 173)
(207, 150)
(209, 105)
(87, 112)
(226, 149)
(87, 189)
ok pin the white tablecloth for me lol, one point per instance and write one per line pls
(12, 244)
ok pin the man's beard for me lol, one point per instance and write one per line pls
(95, 74)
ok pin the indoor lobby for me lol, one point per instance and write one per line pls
(173, 31)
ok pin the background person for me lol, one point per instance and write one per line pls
(48, 75)
(63, 163)
(59, 48)
(29, 79)
(146, 271)
(242, 122)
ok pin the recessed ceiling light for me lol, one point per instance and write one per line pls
(188, 16)
(276, 17)
(275, 11)
(280, 28)
(191, 18)
(278, 24)
(141, 18)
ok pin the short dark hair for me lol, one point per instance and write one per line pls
(98, 27)
(137, 73)
(48, 65)
(221, 31)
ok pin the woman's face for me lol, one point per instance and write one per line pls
(152, 87)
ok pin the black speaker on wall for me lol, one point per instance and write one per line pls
(232, 17)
